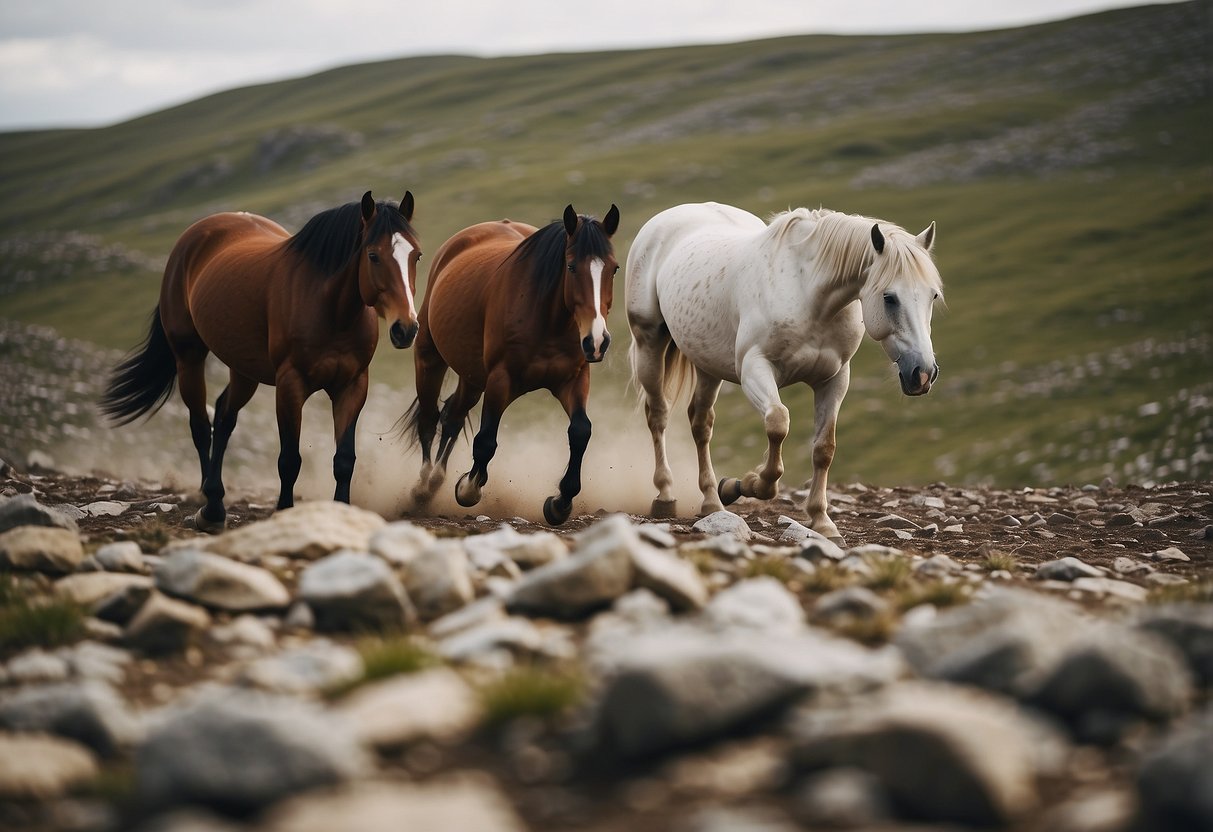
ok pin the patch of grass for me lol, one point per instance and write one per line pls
(999, 561)
(1197, 592)
(530, 691)
(35, 620)
(386, 657)
(826, 577)
(887, 572)
(702, 559)
(935, 593)
(773, 566)
(873, 631)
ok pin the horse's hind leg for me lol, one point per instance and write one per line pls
(827, 399)
(347, 405)
(498, 393)
(431, 370)
(702, 413)
(191, 383)
(573, 397)
(648, 366)
(759, 385)
(213, 516)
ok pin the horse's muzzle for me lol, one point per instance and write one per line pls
(917, 380)
(402, 336)
(587, 347)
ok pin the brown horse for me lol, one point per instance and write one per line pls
(298, 313)
(511, 309)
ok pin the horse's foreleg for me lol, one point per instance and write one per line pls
(291, 393)
(759, 385)
(573, 398)
(240, 389)
(347, 404)
(498, 393)
(702, 413)
(649, 368)
(827, 398)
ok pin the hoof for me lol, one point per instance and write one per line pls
(553, 513)
(664, 509)
(838, 541)
(467, 494)
(204, 524)
(729, 489)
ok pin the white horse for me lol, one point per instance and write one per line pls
(714, 291)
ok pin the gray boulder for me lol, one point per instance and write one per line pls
(239, 750)
(219, 582)
(761, 603)
(310, 668)
(353, 590)
(89, 712)
(25, 510)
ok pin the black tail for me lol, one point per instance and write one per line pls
(142, 383)
(406, 425)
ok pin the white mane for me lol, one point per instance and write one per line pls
(844, 247)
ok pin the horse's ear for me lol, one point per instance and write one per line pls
(368, 206)
(927, 238)
(877, 238)
(570, 220)
(611, 223)
(406, 206)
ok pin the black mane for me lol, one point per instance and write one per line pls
(543, 252)
(331, 238)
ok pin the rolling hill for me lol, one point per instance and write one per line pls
(1069, 167)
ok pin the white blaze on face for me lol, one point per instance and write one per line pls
(401, 249)
(598, 328)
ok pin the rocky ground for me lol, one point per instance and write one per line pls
(1035, 659)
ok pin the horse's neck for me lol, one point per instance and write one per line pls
(827, 271)
(342, 293)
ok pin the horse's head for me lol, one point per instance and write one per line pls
(387, 272)
(589, 279)
(898, 298)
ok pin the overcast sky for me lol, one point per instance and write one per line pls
(77, 63)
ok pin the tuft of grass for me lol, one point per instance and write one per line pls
(530, 691)
(773, 566)
(887, 572)
(703, 560)
(1196, 592)
(872, 631)
(995, 561)
(935, 593)
(386, 657)
(826, 577)
(36, 621)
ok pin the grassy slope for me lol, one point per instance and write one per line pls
(1068, 167)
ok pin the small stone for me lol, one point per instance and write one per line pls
(219, 582)
(398, 543)
(41, 549)
(25, 510)
(310, 531)
(37, 665)
(1127, 566)
(670, 577)
(936, 566)
(299, 617)
(817, 547)
(123, 556)
(761, 603)
(106, 508)
(311, 668)
(1067, 569)
(165, 625)
(247, 630)
(852, 602)
(478, 612)
(101, 662)
(438, 579)
(430, 705)
(1111, 587)
(1010, 521)
(1164, 579)
(723, 522)
(353, 590)
(121, 606)
(658, 534)
(40, 767)
(1169, 553)
(90, 589)
(842, 798)
(599, 571)
(1058, 518)
(87, 711)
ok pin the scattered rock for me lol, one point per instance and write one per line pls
(310, 530)
(1122, 590)
(123, 556)
(936, 566)
(106, 508)
(245, 630)
(398, 543)
(89, 589)
(1189, 627)
(669, 576)
(25, 510)
(598, 572)
(433, 704)
(1127, 566)
(842, 798)
(165, 625)
(219, 582)
(895, 521)
(761, 603)
(438, 579)
(121, 606)
(527, 550)
(818, 547)
(41, 549)
(89, 712)
(238, 750)
(1067, 569)
(37, 665)
(1170, 553)
(40, 767)
(852, 602)
(724, 522)
(311, 668)
(352, 590)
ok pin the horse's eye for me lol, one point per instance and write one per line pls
(572, 268)
(890, 300)
(374, 258)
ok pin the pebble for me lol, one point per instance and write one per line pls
(41, 549)
(433, 705)
(723, 522)
(1067, 569)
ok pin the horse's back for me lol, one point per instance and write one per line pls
(457, 294)
(215, 288)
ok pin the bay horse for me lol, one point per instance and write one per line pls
(511, 309)
(715, 293)
(299, 313)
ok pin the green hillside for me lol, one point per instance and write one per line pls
(1069, 167)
